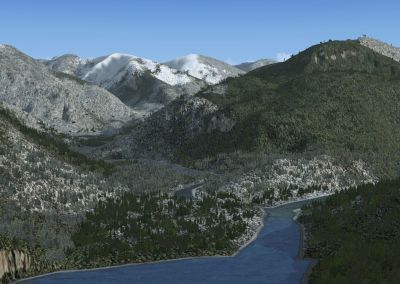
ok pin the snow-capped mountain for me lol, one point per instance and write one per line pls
(142, 84)
(111, 69)
(58, 100)
(251, 65)
(211, 70)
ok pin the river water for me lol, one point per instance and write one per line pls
(271, 258)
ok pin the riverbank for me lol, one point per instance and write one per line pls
(255, 235)
(307, 273)
(243, 246)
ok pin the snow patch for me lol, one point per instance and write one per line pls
(172, 77)
(111, 69)
(193, 65)
(112, 66)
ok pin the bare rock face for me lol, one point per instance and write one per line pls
(58, 100)
(142, 84)
(381, 47)
(13, 261)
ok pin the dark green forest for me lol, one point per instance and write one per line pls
(355, 234)
(338, 98)
(156, 226)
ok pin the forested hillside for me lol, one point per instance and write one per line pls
(337, 98)
(355, 235)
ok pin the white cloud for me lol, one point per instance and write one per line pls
(282, 56)
(230, 61)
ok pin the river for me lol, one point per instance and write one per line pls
(273, 257)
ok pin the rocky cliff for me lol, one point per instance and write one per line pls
(13, 262)
(381, 47)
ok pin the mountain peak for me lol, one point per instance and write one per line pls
(67, 55)
(11, 50)
(333, 56)
(7, 46)
(61, 102)
(117, 65)
(204, 68)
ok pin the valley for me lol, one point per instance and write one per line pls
(120, 159)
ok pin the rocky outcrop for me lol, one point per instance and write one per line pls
(13, 262)
(60, 101)
(381, 47)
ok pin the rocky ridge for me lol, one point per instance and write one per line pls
(381, 47)
(57, 100)
(142, 84)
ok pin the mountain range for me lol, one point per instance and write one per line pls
(337, 97)
(57, 100)
(141, 84)
(83, 96)
(84, 139)
(145, 85)
(196, 107)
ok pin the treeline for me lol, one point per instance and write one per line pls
(355, 234)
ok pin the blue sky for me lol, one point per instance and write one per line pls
(231, 30)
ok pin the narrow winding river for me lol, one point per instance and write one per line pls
(273, 257)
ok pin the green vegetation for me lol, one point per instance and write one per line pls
(155, 226)
(7, 243)
(54, 144)
(355, 234)
(46, 189)
(335, 98)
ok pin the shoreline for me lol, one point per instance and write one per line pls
(247, 243)
(254, 237)
(306, 275)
